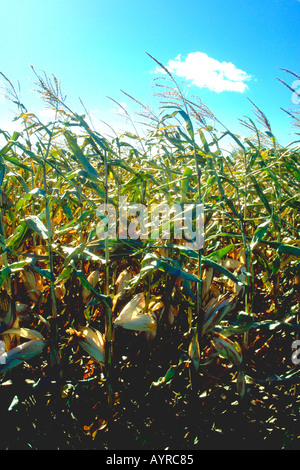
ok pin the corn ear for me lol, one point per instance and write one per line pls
(215, 290)
(92, 341)
(93, 279)
(20, 308)
(241, 274)
(93, 335)
(194, 351)
(207, 280)
(141, 322)
(8, 319)
(7, 310)
(172, 313)
(228, 349)
(155, 305)
(230, 263)
(30, 280)
(123, 278)
(242, 256)
(21, 353)
(24, 333)
(60, 291)
(216, 310)
(134, 317)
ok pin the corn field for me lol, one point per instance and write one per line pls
(147, 343)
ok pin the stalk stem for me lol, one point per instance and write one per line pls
(108, 317)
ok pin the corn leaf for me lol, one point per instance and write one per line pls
(35, 223)
(79, 155)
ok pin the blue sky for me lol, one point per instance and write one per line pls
(224, 52)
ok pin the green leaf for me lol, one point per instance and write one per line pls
(30, 153)
(170, 269)
(4, 273)
(44, 272)
(2, 173)
(152, 263)
(259, 233)
(19, 265)
(17, 163)
(167, 379)
(261, 195)
(219, 254)
(243, 323)
(10, 143)
(204, 142)
(289, 250)
(234, 137)
(18, 237)
(205, 260)
(79, 155)
(37, 226)
(188, 123)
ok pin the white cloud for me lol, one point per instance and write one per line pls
(205, 72)
(46, 114)
(119, 109)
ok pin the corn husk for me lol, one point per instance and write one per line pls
(216, 310)
(31, 284)
(7, 311)
(21, 353)
(39, 250)
(155, 307)
(155, 304)
(92, 341)
(123, 278)
(228, 349)
(207, 280)
(241, 383)
(172, 313)
(60, 291)
(161, 250)
(194, 351)
(241, 274)
(93, 279)
(242, 256)
(8, 319)
(24, 333)
(20, 308)
(230, 263)
(216, 292)
(134, 317)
